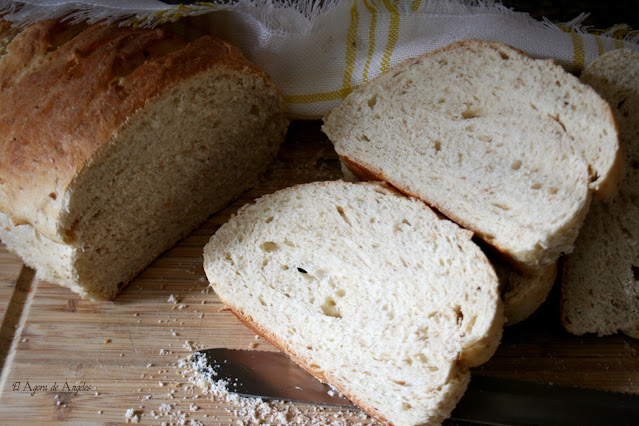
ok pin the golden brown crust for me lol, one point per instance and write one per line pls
(54, 117)
(7, 33)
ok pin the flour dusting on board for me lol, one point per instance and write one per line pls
(258, 411)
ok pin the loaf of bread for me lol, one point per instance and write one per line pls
(116, 142)
(600, 283)
(365, 288)
(506, 146)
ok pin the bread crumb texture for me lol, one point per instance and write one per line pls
(365, 288)
(600, 286)
(505, 145)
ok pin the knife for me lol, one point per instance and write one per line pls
(488, 400)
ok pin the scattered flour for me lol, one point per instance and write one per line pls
(250, 411)
(131, 416)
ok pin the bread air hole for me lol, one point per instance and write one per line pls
(501, 206)
(340, 210)
(635, 272)
(421, 358)
(269, 246)
(504, 55)
(329, 308)
(372, 101)
(516, 165)
(459, 314)
(472, 113)
(557, 119)
(621, 102)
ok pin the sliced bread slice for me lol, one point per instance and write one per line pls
(600, 283)
(522, 293)
(115, 142)
(505, 145)
(365, 288)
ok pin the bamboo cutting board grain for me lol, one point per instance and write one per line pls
(91, 362)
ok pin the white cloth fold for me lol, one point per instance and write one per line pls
(318, 51)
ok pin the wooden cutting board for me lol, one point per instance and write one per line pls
(87, 362)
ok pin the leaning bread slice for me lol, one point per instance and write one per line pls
(368, 290)
(505, 145)
(115, 142)
(600, 283)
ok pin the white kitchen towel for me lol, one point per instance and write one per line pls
(318, 51)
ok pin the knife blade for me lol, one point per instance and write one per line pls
(269, 375)
(487, 400)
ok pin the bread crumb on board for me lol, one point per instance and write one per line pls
(249, 411)
(132, 416)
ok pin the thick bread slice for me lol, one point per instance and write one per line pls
(522, 293)
(368, 290)
(600, 283)
(116, 142)
(505, 145)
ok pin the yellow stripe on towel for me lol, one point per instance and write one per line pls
(371, 39)
(317, 97)
(393, 34)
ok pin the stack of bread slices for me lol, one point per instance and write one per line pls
(378, 287)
